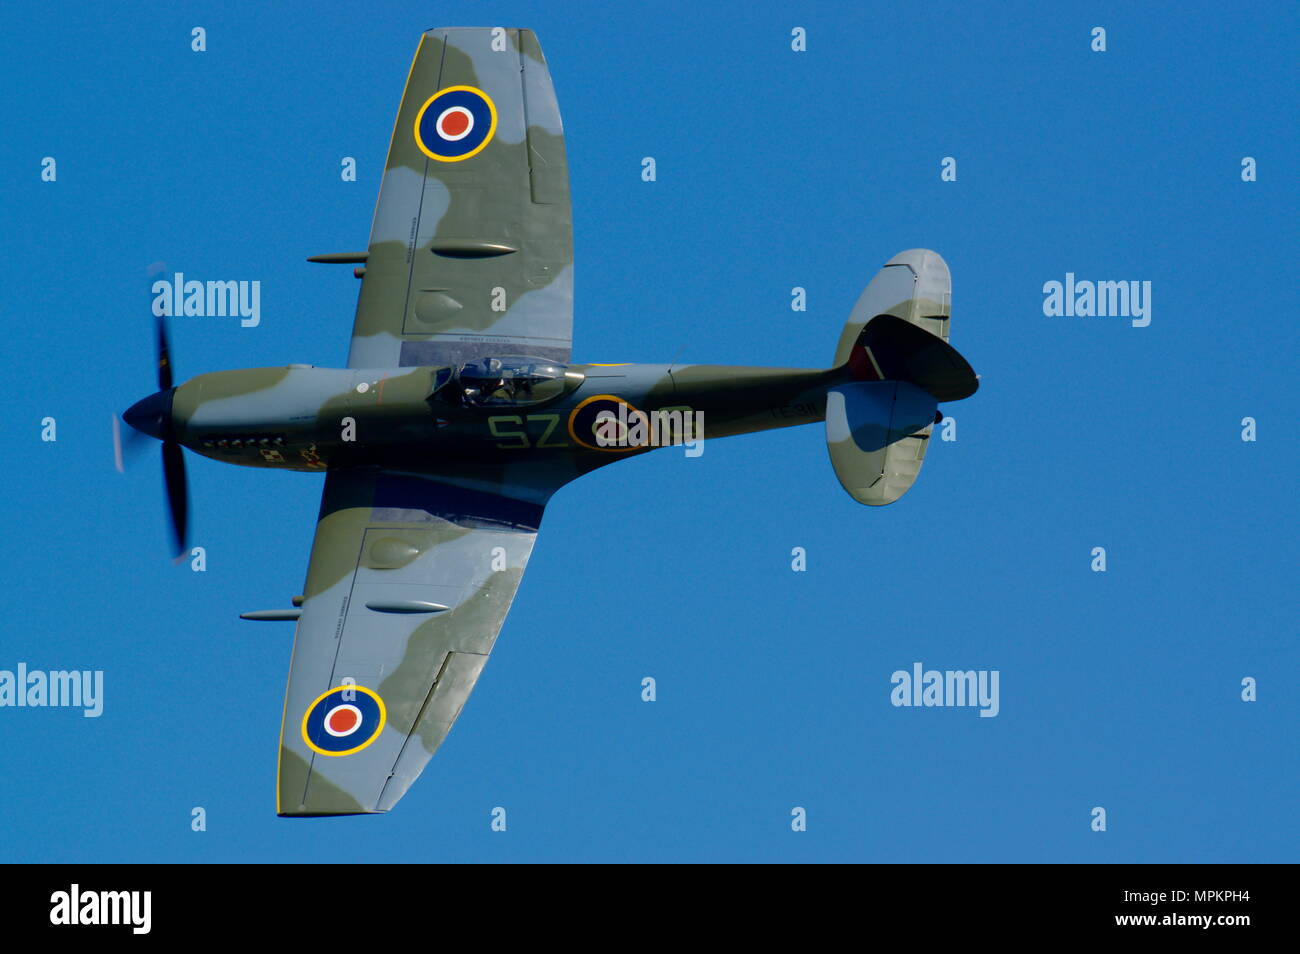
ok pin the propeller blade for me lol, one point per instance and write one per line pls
(117, 446)
(164, 358)
(177, 492)
(127, 444)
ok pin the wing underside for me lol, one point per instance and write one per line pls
(409, 581)
(471, 250)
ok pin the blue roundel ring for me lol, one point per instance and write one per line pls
(344, 720)
(455, 123)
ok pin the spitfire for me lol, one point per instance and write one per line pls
(461, 412)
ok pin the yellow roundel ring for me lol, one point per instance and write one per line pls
(455, 123)
(343, 720)
(582, 420)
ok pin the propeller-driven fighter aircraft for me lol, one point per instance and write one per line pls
(460, 413)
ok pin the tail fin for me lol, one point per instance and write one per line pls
(915, 286)
(894, 349)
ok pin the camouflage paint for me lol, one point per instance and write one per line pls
(431, 503)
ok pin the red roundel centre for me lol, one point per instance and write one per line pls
(343, 720)
(455, 123)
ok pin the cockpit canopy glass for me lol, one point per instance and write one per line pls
(504, 382)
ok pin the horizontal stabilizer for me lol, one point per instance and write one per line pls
(892, 349)
(876, 433)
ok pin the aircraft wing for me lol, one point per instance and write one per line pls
(409, 581)
(471, 250)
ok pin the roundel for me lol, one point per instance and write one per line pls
(606, 423)
(455, 123)
(344, 720)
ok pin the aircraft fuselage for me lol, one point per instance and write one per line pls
(309, 419)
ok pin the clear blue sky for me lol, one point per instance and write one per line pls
(775, 169)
